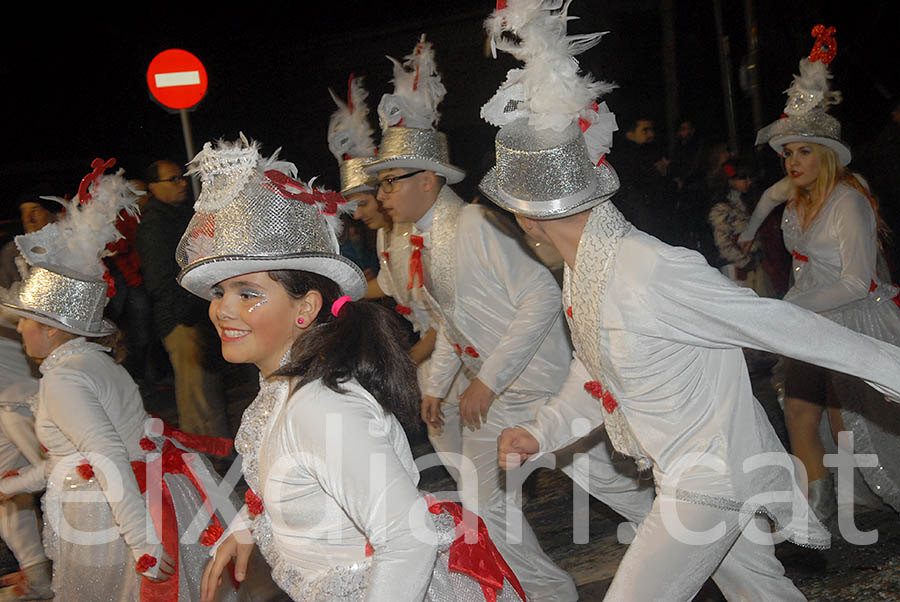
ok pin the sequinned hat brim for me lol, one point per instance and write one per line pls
(554, 208)
(69, 303)
(201, 276)
(103, 329)
(842, 150)
(546, 174)
(816, 126)
(412, 148)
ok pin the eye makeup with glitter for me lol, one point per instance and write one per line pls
(257, 304)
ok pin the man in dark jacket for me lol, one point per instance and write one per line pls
(176, 312)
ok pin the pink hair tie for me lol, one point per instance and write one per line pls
(337, 305)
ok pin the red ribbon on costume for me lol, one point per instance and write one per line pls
(172, 462)
(205, 444)
(480, 560)
(415, 262)
(800, 257)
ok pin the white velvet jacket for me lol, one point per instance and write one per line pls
(499, 306)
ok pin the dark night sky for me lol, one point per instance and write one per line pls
(75, 86)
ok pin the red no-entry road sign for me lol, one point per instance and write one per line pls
(177, 79)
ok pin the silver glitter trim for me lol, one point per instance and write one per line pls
(415, 148)
(74, 303)
(440, 273)
(816, 126)
(815, 537)
(353, 178)
(584, 292)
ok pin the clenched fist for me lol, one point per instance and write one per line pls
(514, 446)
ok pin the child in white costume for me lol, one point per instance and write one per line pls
(658, 336)
(333, 503)
(91, 419)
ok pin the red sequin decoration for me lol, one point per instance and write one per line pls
(145, 562)
(254, 504)
(458, 348)
(403, 310)
(369, 549)
(825, 46)
(606, 398)
(470, 351)
(211, 535)
(86, 470)
(10, 473)
(569, 311)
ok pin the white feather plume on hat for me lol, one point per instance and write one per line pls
(75, 244)
(417, 91)
(548, 89)
(349, 132)
(810, 89)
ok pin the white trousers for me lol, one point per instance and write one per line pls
(679, 545)
(471, 457)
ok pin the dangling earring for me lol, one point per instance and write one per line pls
(299, 321)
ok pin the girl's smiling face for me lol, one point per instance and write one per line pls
(256, 320)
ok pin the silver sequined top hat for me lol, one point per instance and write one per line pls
(350, 138)
(551, 148)
(408, 118)
(805, 118)
(254, 216)
(67, 285)
(546, 174)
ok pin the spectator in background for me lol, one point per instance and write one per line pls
(647, 195)
(35, 213)
(728, 218)
(129, 306)
(687, 160)
(177, 313)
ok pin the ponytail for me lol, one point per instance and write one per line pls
(362, 342)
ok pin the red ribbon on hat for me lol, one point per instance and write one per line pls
(415, 262)
(480, 560)
(98, 166)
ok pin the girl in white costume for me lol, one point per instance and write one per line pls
(333, 504)
(831, 227)
(90, 417)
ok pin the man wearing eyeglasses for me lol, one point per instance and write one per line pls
(177, 313)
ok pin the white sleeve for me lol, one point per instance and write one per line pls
(531, 289)
(19, 428)
(442, 368)
(370, 484)
(853, 222)
(31, 479)
(694, 304)
(773, 196)
(72, 403)
(553, 426)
